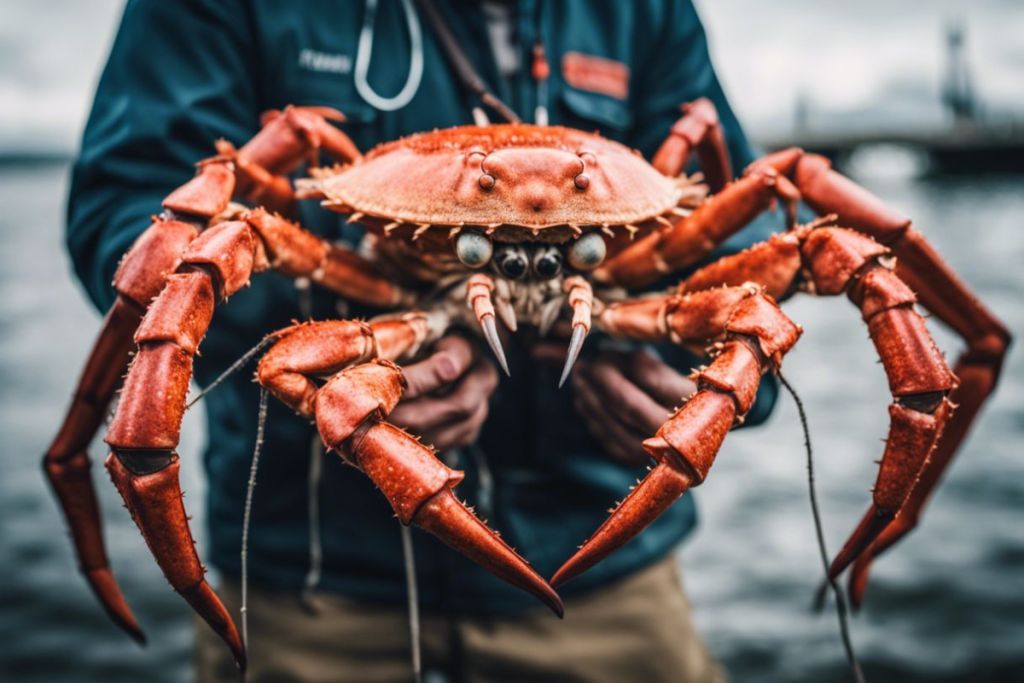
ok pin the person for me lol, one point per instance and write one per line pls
(542, 465)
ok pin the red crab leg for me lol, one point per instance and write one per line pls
(146, 427)
(700, 129)
(838, 260)
(941, 292)
(919, 378)
(296, 252)
(287, 139)
(756, 335)
(350, 411)
(694, 236)
(307, 351)
(139, 278)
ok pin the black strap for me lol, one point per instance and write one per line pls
(467, 75)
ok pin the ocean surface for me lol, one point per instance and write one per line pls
(947, 605)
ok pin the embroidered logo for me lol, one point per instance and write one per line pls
(324, 62)
(596, 74)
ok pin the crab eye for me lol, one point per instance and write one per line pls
(548, 262)
(512, 261)
(473, 249)
(587, 252)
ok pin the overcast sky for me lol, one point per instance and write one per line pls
(873, 60)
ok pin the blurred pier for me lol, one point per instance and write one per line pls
(974, 141)
(963, 149)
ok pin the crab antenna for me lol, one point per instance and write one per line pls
(581, 298)
(478, 298)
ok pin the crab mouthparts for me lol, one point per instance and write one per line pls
(539, 303)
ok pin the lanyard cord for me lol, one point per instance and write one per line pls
(464, 70)
(540, 69)
(365, 50)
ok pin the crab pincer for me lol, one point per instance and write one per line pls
(349, 414)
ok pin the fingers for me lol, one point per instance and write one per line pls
(459, 433)
(659, 380)
(456, 418)
(615, 435)
(452, 356)
(429, 412)
(624, 398)
(631, 404)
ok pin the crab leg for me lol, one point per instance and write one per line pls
(286, 139)
(350, 411)
(146, 427)
(694, 236)
(307, 351)
(700, 129)
(140, 276)
(837, 261)
(296, 252)
(145, 430)
(754, 335)
(940, 291)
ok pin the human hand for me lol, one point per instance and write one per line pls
(446, 402)
(624, 397)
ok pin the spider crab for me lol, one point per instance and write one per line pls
(517, 224)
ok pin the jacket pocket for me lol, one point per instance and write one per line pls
(582, 109)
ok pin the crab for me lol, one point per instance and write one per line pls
(517, 225)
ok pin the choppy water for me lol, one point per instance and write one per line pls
(947, 606)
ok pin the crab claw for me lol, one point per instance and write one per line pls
(448, 519)
(871, 525)
(419, 488)
(857, 581)
(912, 436)
(645, 503)
(684, 448)
(148, 482)
(71, 482)
(349, 410)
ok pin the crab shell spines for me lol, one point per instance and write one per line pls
(515, 181)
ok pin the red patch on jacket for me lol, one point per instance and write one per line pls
(596, 74)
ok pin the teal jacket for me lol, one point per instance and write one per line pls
(181, 75)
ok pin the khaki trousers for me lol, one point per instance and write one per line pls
(637, 629)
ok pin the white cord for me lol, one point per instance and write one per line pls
(247, 515)
(414, 603)
(365, 50)
(316, 553)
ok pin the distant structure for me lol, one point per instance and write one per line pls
(976, 142)
(958, 88)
